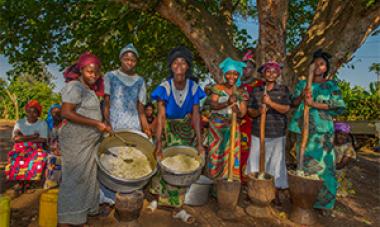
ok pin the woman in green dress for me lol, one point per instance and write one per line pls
(325, 101)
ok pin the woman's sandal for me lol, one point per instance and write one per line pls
(18, 188)
(184, 216)
(28, 188)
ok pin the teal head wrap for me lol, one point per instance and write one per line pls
(229, 64)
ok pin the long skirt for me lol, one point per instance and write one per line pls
(274, 159)
(344, 183)
(53, 171)
(26, 162)
(245, 129)
(219, 148)
(177, 132)
(320, 159)
(79, 189)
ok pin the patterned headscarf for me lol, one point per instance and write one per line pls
(229, 64)
(34, 104)
(73, 72)
(342, 127)
(270, 65)
(49, 119)
(249, 56)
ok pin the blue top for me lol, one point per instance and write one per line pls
(178, 103)
(125, 92)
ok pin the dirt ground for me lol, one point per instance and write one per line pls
(359, 209)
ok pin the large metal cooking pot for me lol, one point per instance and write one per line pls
(136, 139)
(181, 178)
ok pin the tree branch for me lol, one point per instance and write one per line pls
(235, 5)
(141, 5)
(226, 10)
(211, 37)
(339, 27)
(273, 15)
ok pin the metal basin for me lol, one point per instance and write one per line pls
(136, 139)
(181, 178)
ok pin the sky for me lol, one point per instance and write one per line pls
(363, 58)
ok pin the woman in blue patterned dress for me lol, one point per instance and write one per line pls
(124, 100)
(125, 94)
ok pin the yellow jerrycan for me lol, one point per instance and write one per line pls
(48, 216)
(5, 211)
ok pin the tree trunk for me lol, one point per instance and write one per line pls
(338, 27)
(13, 98)
(273, 15)
(5, 114)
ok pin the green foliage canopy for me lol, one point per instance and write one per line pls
(58, 31)
(361, 104)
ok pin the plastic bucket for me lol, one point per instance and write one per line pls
(48, 209)
(5, 211)
(198, 193)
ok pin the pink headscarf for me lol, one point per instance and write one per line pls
(88, 58)
(270, 65)
(73, 72)
(249, 56)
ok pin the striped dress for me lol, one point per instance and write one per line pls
(218, 139)
(79, 190)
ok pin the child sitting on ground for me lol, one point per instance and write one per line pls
(345, 155)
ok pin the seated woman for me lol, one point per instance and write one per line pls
(225, 99)
(27, 159)
(178, 114)
(54, 167)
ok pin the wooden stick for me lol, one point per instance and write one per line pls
(231, 158)
(262, 135)
(305, 128)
